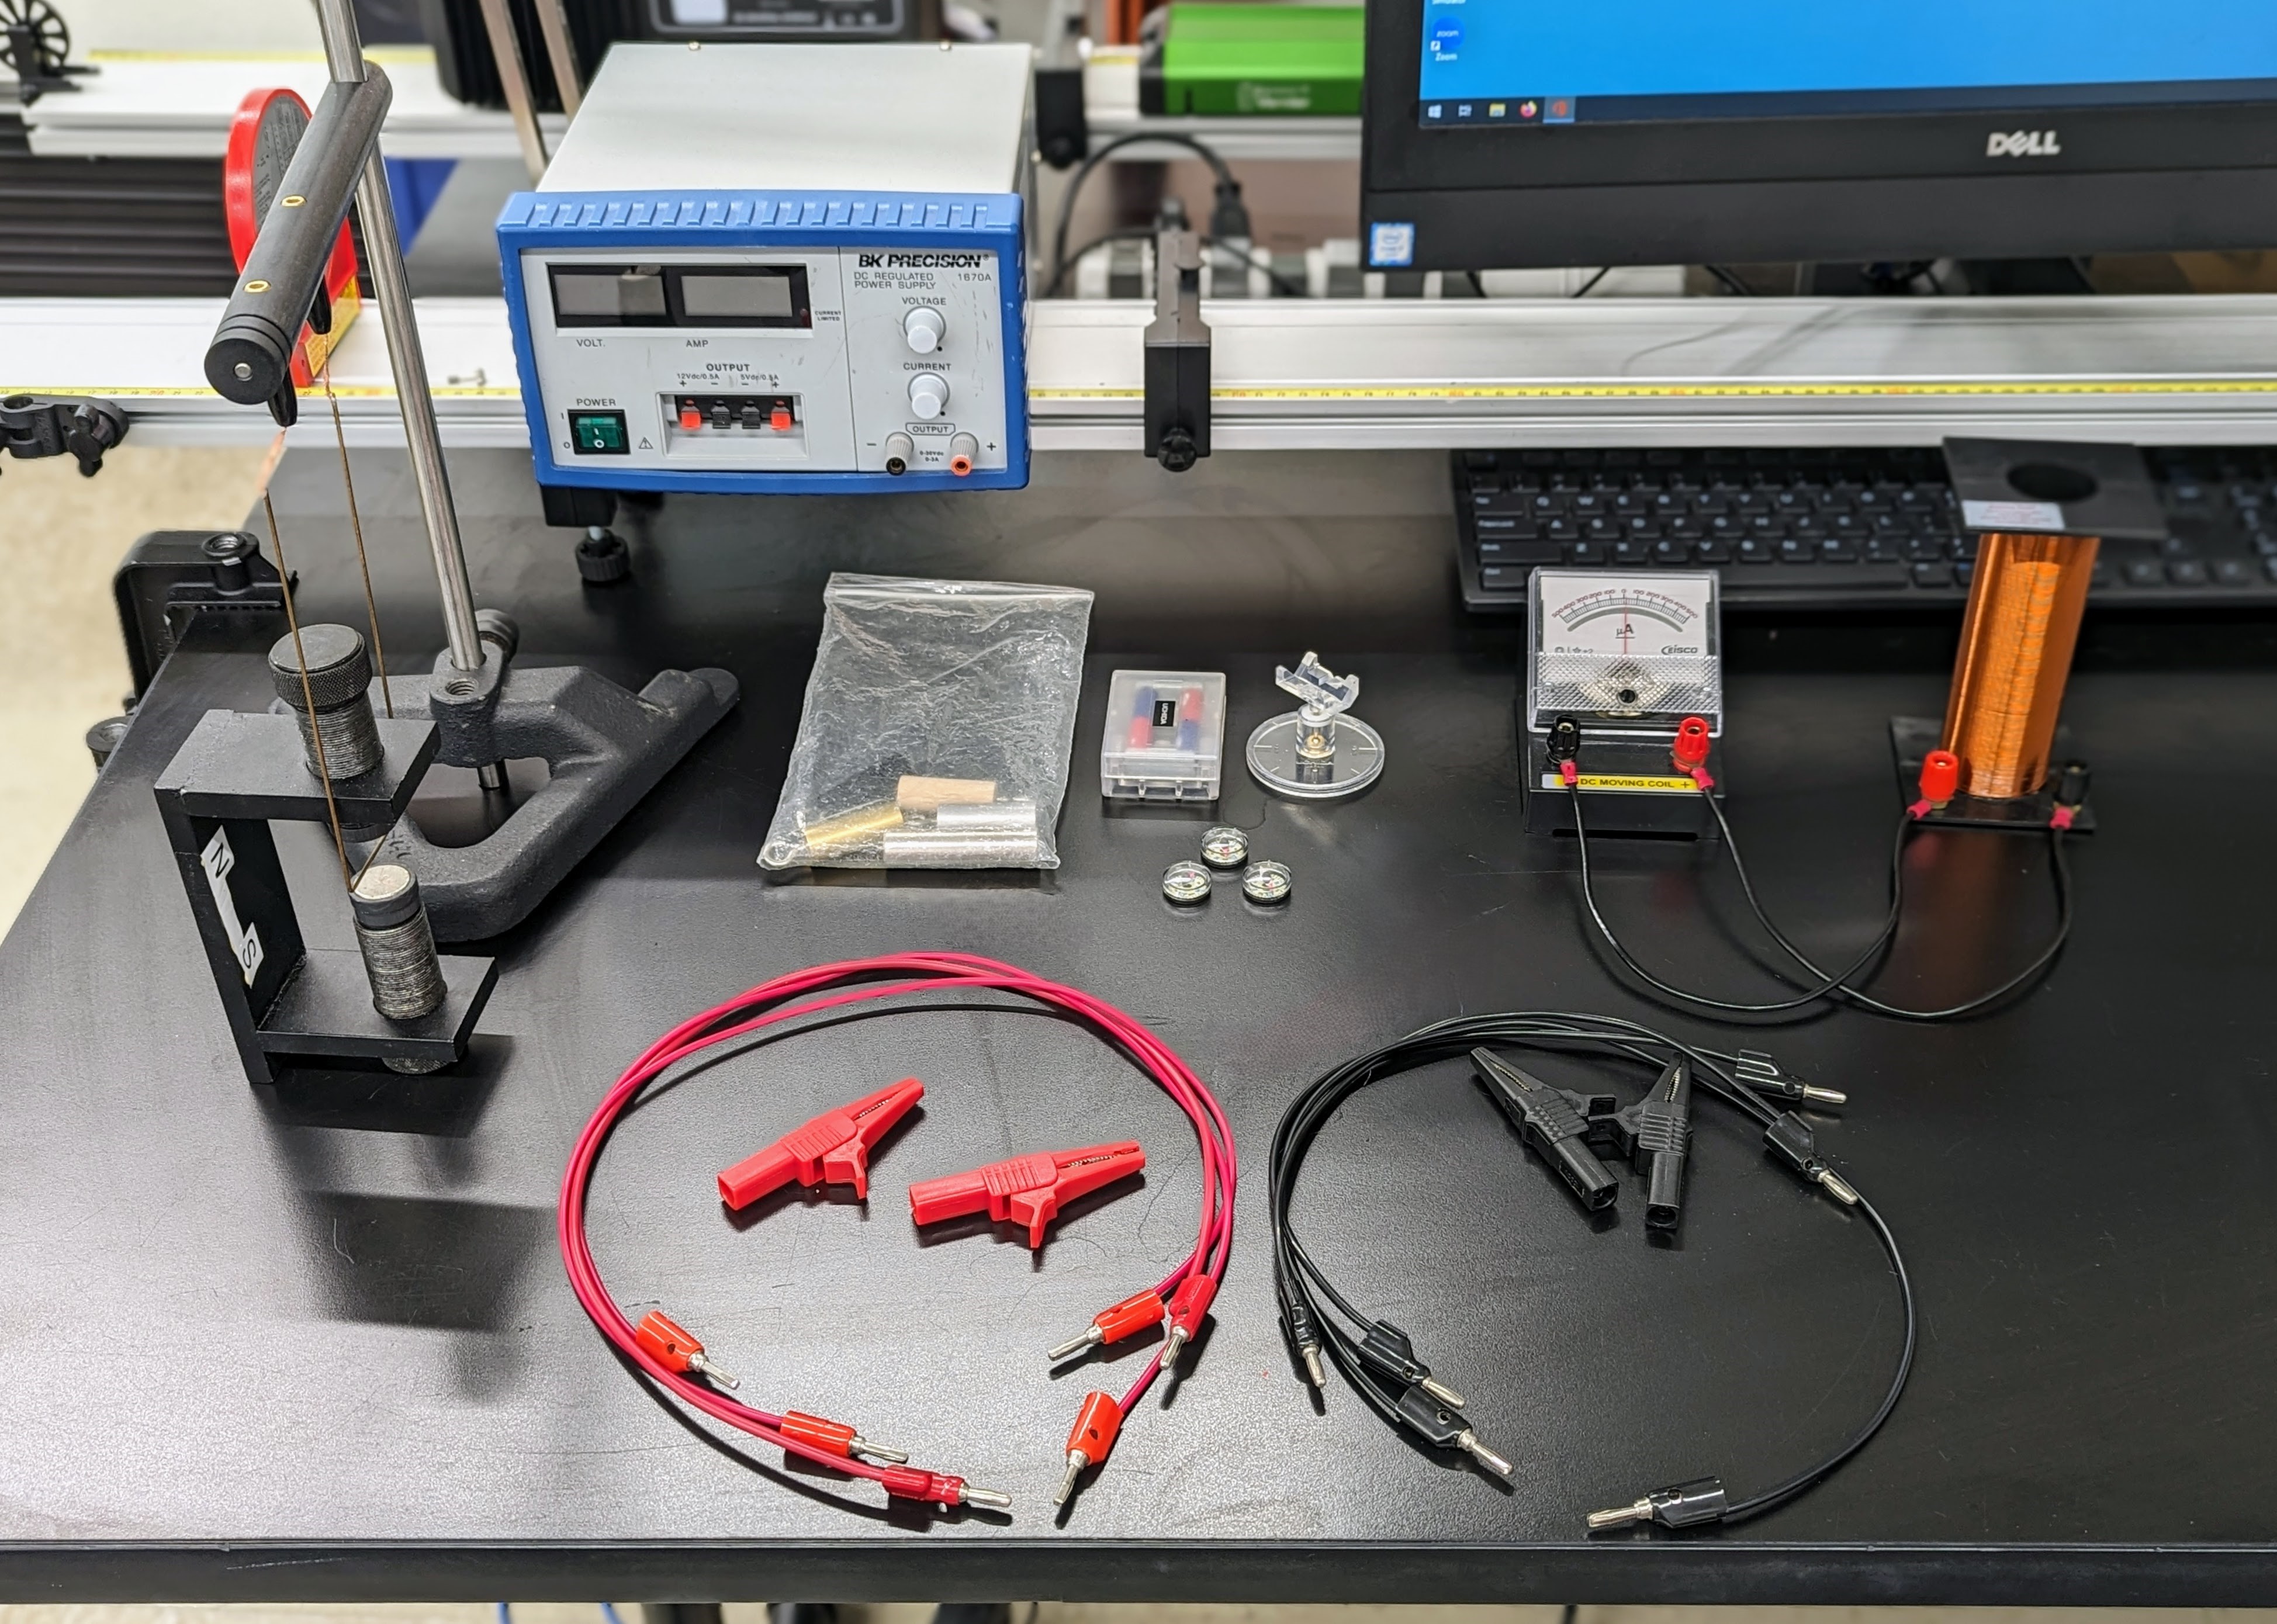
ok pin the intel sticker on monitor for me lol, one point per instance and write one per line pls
(1391, 242)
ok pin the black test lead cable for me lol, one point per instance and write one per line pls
(1839, 985)
(1378, 1360)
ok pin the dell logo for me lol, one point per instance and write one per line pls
(2023, 144)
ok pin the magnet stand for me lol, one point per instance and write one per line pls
(1279, 760)
(233, 776)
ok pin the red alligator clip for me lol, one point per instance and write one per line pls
(1029, 1189)
(833, 1148)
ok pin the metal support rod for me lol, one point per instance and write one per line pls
(343, 42)
(561, 54)
(505, 48)
(392, 293)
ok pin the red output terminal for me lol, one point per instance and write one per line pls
(836, 1437)
(1189, 1307)
(676, 1350)
(1096, 1423)
(833, 1148)
(691, 419)
(1940, 781)
(960, 465)
(1126, 1318)
(1029, 1189)
(779, 419)
(909, 1484)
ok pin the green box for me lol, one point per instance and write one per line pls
(1217, 58)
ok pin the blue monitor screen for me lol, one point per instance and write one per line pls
(1563, 62)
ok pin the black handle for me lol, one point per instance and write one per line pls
(251, 360)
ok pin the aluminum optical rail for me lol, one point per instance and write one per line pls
(1291, 374)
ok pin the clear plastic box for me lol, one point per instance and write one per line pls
(1165, 737)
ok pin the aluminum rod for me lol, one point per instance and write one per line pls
(561, 54)
(392, 293)
(505, 48)
(343, 42)
(391, 287)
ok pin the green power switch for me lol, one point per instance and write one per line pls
(598, 434)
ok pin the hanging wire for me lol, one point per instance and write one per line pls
(300, 656)
(355, 527)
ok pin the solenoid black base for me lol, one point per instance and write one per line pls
(1912, 738)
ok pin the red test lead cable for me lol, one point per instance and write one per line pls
(1187, 1290)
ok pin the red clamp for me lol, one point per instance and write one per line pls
(1029, 1189)
(833, 1148)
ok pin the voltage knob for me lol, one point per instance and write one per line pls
(924, 328)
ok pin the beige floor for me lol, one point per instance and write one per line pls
(61, 664)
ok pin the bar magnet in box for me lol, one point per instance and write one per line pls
(1165, 735)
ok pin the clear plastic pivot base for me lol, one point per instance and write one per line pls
(1316, 753)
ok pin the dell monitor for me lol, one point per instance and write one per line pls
(1516, 133)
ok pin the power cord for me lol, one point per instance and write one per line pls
(1831, 985)
(1380, 1362)
(1229, 214)
(1255, 258)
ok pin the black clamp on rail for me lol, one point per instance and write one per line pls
(251, 360)
(46, 425)
(1178, 355)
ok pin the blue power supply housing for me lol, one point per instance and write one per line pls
(904, 238)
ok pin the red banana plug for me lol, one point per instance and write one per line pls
(1096, 1423)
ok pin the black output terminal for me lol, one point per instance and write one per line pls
(1553, 1124)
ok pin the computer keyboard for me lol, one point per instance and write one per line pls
(1834, 528)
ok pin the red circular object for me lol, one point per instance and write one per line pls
(263, 138)
(1940, 777)
(1690, 749)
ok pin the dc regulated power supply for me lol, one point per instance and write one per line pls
(779, 268)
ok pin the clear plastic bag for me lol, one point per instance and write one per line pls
(938, 724)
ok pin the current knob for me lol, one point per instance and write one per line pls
(923, 327)
(928, 394)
